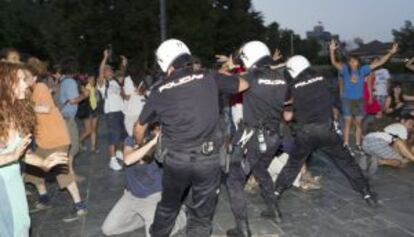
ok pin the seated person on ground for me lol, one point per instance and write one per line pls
(136, 208)
(389, 146)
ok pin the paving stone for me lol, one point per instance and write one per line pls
(334, 211)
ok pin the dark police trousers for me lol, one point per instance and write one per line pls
(321, 136)
(259, 164)
(182, 171)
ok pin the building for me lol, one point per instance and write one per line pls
(323, 37)
(368, 52)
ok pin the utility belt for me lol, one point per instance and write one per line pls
(244, 135)
(206, 149)
(323, 125)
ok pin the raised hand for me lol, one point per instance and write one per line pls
(394, 49)
(57, 158)
(277, 55)
(333, 45)
(220, 58)
(106, 53)
(21, 149)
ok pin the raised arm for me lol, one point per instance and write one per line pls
(378, 63)
(132, 156)
(333, 46)
(410, 64)
(243, 84)
(408, 98)
(139, 132)
(101, 77)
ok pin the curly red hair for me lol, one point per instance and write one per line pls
(15, 113)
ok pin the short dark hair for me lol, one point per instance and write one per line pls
(356, 57)
(67, 65)
(406, 117)
(4, 53)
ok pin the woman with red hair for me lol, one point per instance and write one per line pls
(17, 121)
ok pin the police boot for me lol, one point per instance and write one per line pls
(272, 211)
(241, 230)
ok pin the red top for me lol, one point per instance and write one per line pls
(237, 98)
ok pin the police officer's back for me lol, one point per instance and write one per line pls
(262, 109)
(313, 111)
(186, 106)
(263, 102)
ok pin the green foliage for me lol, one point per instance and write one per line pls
(405, 37)
(54, 29)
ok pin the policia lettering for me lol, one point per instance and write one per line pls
(262, 108)
(317, 131)
(186, 105)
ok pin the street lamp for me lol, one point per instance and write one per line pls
(163, 20)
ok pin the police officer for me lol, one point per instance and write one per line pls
(262, 109)
(313, 111)
(186, 106)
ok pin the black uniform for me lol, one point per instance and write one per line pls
(186, 105)
(313, 111)
(262, 107)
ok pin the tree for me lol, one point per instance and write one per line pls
(55, 29)
(405, 38)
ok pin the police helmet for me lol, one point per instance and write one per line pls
(252, 52)
(296, 65)
(169, 51)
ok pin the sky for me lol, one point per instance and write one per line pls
(368, 19)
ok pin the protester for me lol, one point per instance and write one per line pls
(111, 89)
(263, 105)
(17, 121)
(10, 55)
(93, 110)
(186, 106)
(51, 135)
(134, 100)
(382, 78)
(389, 147)
(353, 75)
(396, 101)
(136, 208)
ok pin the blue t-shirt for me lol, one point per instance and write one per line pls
(142, 180)
(68, 90)
(354, 90)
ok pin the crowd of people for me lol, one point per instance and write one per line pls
(253, 120)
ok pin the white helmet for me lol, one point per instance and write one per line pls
(296, 65)
(169, 51)
(252, 52)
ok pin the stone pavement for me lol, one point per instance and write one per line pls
(336, 210)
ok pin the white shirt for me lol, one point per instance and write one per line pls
(112, 97)
(380, 135)
(381, 82)
(398, 130)
(136, 102)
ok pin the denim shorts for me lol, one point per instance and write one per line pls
(116, 128)
(351, 107)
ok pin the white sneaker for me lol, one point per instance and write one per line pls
(119, 155)
(114, 164)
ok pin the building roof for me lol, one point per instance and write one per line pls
(373, 48)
